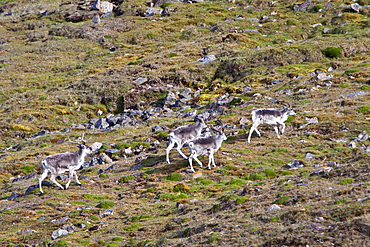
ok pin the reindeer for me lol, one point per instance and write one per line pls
(182, 135)
(205, 145)
(60, 163)
(270, 117)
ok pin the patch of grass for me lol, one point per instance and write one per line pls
(204, 181)
(332, 52)
(173, 177)
(174, 196)
(126, 179)
(212, 239)
(172, 55)
(363, 109)
(28, 168)
(344, 85)
(241, 199)
(270, 173)
(282, 200)
(346, 181)
(140, 217)
(274, 219)
(351, 71)
(339, 201)
(105, 204)
(181, 187)
(132, 227)
(95, 197)
(285, 173)
(150, 190)
(61, 243)
(255, 177)
(318, 7)
(237, 181)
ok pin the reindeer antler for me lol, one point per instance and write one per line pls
(79, 139)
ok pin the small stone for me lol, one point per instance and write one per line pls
(273, 207)
(310, 156)
(58, 233)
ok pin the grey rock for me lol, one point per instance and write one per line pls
(170, 99)
(96, 146)
(157, 128)
(364, 136)
(58, 233)
(61, 220)
(273, 207)
(310, 156)
(294, 165)
(360, 93)
(207, 59)
(153, 11)
(140, 80)
(102, 123)
(27, 230)
(102, 6)
(302, 7)
(356, 7)
(105, 212)
(96, 19)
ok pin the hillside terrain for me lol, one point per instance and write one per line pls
(127, 73)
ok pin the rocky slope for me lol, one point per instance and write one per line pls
(129, 75)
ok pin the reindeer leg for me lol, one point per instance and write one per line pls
(52, 178)
(197, 160)
(283, 128)
(42, 177)
(179, 150)
(250, 134)
(190, 162)
(170, 146)
(277, 131)
(76, 177)
(211, 160)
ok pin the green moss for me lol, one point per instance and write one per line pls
(274, 219)
(140, 217)
(150, 190)
(174, 196)
(255, 177)
(332, 52)
(126, 179)
(270, 173)
(132, 227)
(204, 181)
(28, 168)
(344, 85)
(363, 109)
(237, 181)
(61, 243)
(282, 200)
(173, 177)
(105, 204)
(285, 173)
(346, 181)
(94, 197)
(94, 217)
(318, 7)
(212, 239)
(339, 201)
(241, 199)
